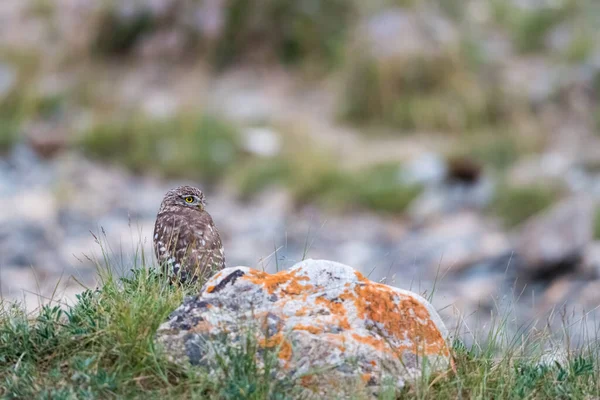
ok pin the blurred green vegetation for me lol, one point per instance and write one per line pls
(529, 28)
(454, 89)
(204, 147)
(515, 204)
(21, 103)
(496, 149)
(378, 188)
(439, 92)
(117, 34)
(288, 31)
(9, 122)
(314, 176)
(597, 224)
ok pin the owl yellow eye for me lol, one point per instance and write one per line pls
(189, 199)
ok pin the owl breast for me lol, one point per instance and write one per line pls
(187, 245)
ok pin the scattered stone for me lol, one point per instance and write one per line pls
(453, 244)
(463, 187)
(554, 355)
(262, 142)
(555, 241)
(450, 197)
(427, 169)
(548, 167)
(328, 326)
(47, 139)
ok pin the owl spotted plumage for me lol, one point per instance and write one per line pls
(186, 241)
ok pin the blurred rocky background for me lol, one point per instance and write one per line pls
(448, 146)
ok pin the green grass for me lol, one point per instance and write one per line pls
(23, 103)
(290, 33)
(597, 224)
(19, 104)
(209, 149)
(118, 35)
(102, 347)
(515, 204)
(529, 28)
(315, 177)
(439, 92)
(204, 147)
(497, 149)
(306, 31)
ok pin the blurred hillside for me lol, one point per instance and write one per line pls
(412, 136)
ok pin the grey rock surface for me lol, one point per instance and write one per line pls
(326, 325)
(558, 237)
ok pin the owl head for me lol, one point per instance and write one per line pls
(183, 196)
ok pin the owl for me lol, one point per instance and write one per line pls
(186, 242)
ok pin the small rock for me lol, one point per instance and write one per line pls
(451, 197)
(557, 238)
(547, 167)
(262, 142)
(554, 355)
(46, 138)
(328, 325)
(160, 105)
(426, 169)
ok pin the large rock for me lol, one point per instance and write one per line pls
(330, 327)
(557, 238)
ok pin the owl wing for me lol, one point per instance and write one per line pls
(170, 241)
(205, 255)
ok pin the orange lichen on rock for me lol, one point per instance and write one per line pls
(315, 330)
(377, 344)
(201, 327)
(301, 312)
(343, 322)
(318, 316)
(335, 307)
(285, 347)
(366, 377)
(274, 281)
(360, 277)
(383, 305)
(307, 380)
